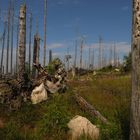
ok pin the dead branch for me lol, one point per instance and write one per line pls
(89, 108)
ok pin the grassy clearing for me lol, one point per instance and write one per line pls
(48, 120)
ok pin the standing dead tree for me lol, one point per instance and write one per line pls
(100, 53)
(81, 52)
(135, 98)
(12, 32)
(45, 18)
(36, 53)
(3, 44)
(75, 57)
(8, 39)
(17, 47)
(22, 42)
(30, 37)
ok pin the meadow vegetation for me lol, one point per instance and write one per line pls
(110, 94)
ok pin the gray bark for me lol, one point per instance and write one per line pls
(12, 32)
(22, 42)
(36, 53)
(45, 17)
(135, 99)
(3, 44)
(8, 39)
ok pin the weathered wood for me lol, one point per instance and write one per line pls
(36, 53)
(8, 39)
(135, 98)
(89, 108)
(30, 38)
(22, 42)
(45, 18)
(3, 44)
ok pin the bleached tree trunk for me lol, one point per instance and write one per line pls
(17, 47)
(22, 42)
(45, 18)
(8, 40)
(36, 53)
(81, 53)
(135, 99)
(12, 32)
(3, 44)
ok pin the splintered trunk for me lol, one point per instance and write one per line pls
(36, 53)
(8, 39)
(3, 44)
(22, 42)
(135, 98)
(45, 17)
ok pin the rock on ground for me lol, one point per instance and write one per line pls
(82, 126)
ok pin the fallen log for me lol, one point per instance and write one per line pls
(89, 108)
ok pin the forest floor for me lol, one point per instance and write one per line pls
(108, 93)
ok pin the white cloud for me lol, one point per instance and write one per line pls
(56, 45)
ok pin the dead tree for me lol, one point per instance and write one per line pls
(89, 60)
(8, 39)
(115, 57)
(135, 98)
(100, 53)
(3, 44)
(22, 42)
(84, 105)
(50, 56)
(110, 57)
(36, 53)
(45, 18)
(81, 52)
(12, 32)
(30, 37)
(75, 58)
(17, 47)
(92, 60)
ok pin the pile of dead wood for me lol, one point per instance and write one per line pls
(14, 92)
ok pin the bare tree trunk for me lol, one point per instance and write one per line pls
(110, 57)
(8, 36)
(17, 47)
(22, 42)
(45, 17)
(75, 59)
(36, 53)
(114, 54)
(50, 56)
(89, 59)
(3, 44)
(100, 53)
(30, 36)
(81, 53)
(12, 32)
(135, 99)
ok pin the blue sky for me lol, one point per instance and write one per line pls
(70, 19)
